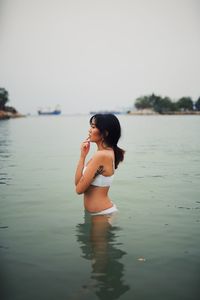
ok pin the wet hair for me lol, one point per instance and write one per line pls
(109, 127)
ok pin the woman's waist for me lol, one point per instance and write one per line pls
(96, 204)
(96, 192)
(105, 211)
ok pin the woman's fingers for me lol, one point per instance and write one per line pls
(85, 146)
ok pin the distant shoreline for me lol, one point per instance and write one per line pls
(4, 115)
(152, 113)
(8, 115)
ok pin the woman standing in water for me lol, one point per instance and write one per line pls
(94, 179)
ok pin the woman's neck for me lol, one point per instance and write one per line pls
(102, 146)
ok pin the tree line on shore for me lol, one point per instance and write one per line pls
(7, 112)
(164, 105)
(158, 104)
(4, 98)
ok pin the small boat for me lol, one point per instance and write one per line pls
(114, 112)
(56, 111)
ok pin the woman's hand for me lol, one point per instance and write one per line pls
(85, 147)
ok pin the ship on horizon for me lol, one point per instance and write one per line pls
(49, 112)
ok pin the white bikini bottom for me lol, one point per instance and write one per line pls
(107, 211)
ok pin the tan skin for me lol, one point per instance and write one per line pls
(95, 198)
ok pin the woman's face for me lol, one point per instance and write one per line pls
(94, 133)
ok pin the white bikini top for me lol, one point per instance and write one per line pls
(101, 180)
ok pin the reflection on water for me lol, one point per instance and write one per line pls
(97, 238)
(4, 151)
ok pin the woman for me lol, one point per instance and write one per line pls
(95, 178)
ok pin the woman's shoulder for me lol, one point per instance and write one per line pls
(99, 155)
(103, 155)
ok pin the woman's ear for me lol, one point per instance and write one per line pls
(106, 133)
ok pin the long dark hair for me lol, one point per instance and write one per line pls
(110, 128)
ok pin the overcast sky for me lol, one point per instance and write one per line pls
(98, 54)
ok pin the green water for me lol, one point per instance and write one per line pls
(152, 251)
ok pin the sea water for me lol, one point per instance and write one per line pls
(48, 247)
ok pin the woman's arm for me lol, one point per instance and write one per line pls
(85, 180)
(85, 147)
(79, 170)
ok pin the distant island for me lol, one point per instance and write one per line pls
(157, 105)
(153, 104)
(7, 112)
